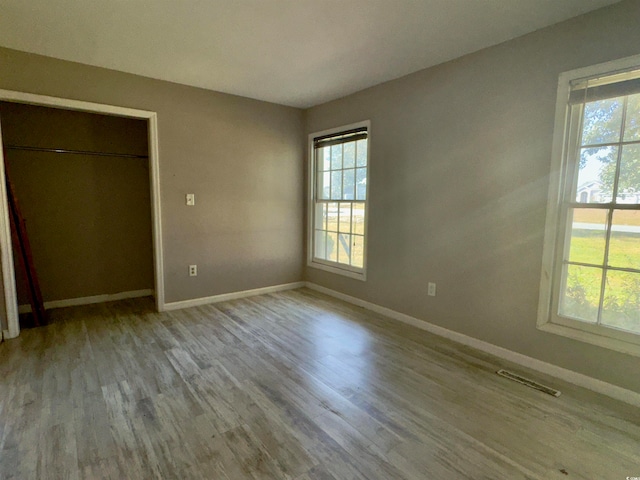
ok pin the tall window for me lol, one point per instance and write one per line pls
(595, 287)
(338, 214)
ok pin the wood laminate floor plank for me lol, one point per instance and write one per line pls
(292, 385)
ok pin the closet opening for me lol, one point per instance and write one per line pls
(86, 182)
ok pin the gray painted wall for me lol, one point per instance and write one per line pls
(460, 161)
(88, 217)
(241, 157)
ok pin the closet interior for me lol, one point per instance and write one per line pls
(81, 181)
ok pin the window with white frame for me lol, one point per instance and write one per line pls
(338, 209)
(591, 277)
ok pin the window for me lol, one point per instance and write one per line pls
(338, 209)
(591, 273)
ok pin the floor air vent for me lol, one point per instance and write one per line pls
(528, 383)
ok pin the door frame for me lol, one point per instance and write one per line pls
(6, 251)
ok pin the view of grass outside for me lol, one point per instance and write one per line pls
(341, 238)
(621, 305)
(602, 270)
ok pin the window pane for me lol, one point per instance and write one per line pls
(332, 217)
(332, 246)
(632, 124)
(358, 218)
(345, 218)
(357, 253)
(349, 155)
(336, 185)
(321, 216)
(326, 158)
(629, 180)
(621, 307)
(624, 245)
(319, 185)
(320, 244)
(588, 235)
(322, 156)
(581, 296)
(344, 248)
(596, 174)
(326, 187)
(324, 182)
(602, 121)
(348, 186)
(336, 157)
(361, 184)
(361, 148)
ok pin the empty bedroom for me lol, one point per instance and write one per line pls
(320, 239)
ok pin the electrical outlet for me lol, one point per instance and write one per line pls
(193, 270)
(431, 291)
(190, 199)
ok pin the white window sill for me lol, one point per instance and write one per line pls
(340, 271)
(593, 338)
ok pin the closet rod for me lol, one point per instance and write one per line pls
(73, 152)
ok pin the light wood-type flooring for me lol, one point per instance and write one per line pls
(293, 385)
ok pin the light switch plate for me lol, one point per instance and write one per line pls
(191, 199)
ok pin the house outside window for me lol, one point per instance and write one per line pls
(338, 208)
(590, 286)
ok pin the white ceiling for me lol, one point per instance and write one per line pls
(293, 52)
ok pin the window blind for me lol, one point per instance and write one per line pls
(342, 137)
(598, 88)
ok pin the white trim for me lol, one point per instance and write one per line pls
(7, 266)
(613, 391)
(68, 104)
(610, 67)
(73, 302)
(593, 338)
(359, 274)
(156, 208)
(553, 202)
(194, 302)
(561, 179)
(340, 271)
(6, 258)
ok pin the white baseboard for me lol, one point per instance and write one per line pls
(613, 391)
(194, 302)
(72, 302)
